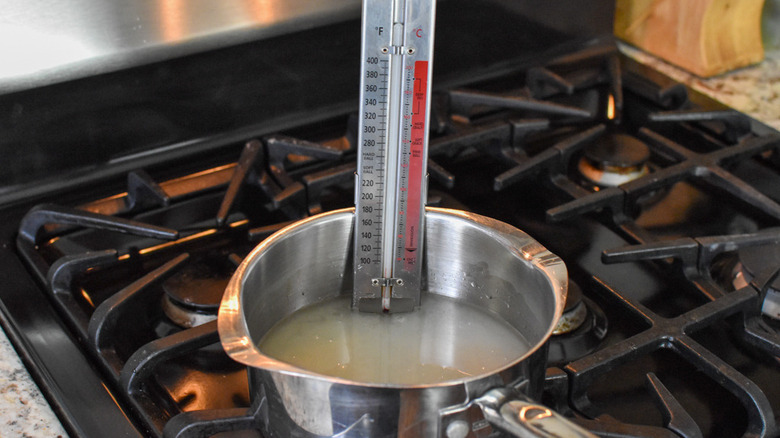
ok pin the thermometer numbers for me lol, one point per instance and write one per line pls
(373, 141)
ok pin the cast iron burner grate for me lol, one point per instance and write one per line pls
(161, 365)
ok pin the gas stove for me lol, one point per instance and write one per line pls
(664, 205)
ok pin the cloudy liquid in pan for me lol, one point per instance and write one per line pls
(443, 340)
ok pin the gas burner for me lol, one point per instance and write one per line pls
(755, 261)
(574, 312)
(614, 159)
(580, 330)
(192, 296)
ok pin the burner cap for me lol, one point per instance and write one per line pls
(192, 295)
(183, 316)
(201, 283)
(618, 150)
(615, 159)
(573, 296)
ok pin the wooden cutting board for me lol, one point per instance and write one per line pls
(705, 37)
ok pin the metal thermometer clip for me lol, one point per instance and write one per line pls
(390, 190)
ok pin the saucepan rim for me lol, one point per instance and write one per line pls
(237, 342)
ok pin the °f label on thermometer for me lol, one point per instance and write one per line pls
(391, 187)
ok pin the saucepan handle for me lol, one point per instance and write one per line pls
(515, 414)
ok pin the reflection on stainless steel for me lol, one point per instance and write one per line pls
(52, 41)
(524, 418)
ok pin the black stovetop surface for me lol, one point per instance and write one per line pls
(670, 347)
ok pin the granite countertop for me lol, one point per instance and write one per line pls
(23, 410)
(754, 90)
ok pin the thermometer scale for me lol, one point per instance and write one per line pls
(391, 183)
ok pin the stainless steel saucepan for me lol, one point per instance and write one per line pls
(467, 257)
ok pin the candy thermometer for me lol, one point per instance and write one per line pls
(391, 181)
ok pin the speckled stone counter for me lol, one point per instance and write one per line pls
(23, 410)
(753, 90)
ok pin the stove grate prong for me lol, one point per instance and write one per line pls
(261, 233)
(522, 128)
(463, 101)
(41, 215)
(280, 146)
(748, 148)
(544, 160)
(512, 152)
(441, 175)
(737, 124)
(63, 273)
(140, 366)
(584, 55)
(65, 270)
(760, 415)
(685, 249)
(143, 191)
(672, 96)
(286, 193)
(663, 146)
(761, 335)
(695, 254)
(540, 79)
(606, 426)
(235, 259)
(245, 162)
(316, 183)
(739, 189)
(705, 250)
(439, 119)
(674, 414)
(612, 198)
(485, 136)
(196, 424)
(103, 322)
(289, 198)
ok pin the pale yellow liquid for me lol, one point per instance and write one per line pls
(443, 340)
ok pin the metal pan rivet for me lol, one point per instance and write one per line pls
(458, 429)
